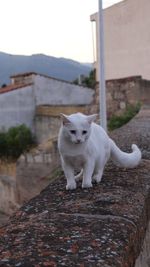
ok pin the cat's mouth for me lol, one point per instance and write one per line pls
(78, 142)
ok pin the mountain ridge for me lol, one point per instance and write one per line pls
(59, 68)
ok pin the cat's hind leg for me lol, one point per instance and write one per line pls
(97, 177)
(99, 169)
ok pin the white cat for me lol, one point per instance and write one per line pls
(84, 146)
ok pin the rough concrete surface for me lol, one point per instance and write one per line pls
(103, 226)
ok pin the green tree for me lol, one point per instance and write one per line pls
(88, 81)
(4, 85)
(15, 141)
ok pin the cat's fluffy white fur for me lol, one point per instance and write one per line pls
(84, 146)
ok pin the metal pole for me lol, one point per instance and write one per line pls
(102, 87)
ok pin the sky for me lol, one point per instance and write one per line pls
(59, 28)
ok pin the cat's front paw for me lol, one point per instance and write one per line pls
(71, 186)
(87, 185)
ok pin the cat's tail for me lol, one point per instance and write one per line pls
(123, 159)
(77, 177)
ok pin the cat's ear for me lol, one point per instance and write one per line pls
(92, 118)
(64, 119)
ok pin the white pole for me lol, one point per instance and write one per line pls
(102, 87)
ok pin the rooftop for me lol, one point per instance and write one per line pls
(12, 87)
(24, 74)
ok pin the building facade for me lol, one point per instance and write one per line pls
(126, 39)
(27, 91)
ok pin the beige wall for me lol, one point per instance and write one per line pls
(127, 39)
(47, 119)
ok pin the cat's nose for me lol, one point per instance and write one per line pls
(78, 141)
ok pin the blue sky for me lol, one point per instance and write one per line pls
(60, 28)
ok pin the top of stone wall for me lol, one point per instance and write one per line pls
(138, 79)
(125, 79)
(102, 226)
(54, 111)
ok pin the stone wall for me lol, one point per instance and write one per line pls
(34, 170)
(138, 131)
(104, 226)
(8, 192)
(24, 179)
(143, 259)
(120, 204)
(126, 91)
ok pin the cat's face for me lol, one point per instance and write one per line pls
(77, 133)
(77, 127)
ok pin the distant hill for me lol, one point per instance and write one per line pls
(60, 68)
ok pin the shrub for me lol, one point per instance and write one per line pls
(118, 121)
(15, 141)
(88, 81)
(3, 145)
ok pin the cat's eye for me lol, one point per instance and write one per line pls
(73, 131)
(84, 132)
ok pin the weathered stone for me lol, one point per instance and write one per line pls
(38, 158)
(97, 227)
(33, 173)
(143, 259)
(128, 90)
(8, 195)
(22, 158)
(118, 95)
(122, 105)
(47, 158)
(30, 158)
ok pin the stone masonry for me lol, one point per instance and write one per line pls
(35, 170)
(124, 92)
(104, 226)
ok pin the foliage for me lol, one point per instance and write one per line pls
(88, 81)
(118, 121)
(3, 145)
(15, 141)
(4, 85)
